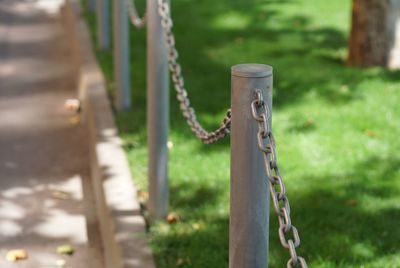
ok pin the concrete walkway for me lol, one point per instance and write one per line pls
(42, 145)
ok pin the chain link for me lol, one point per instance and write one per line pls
(182, 95)
(133, 15)
(288, 234)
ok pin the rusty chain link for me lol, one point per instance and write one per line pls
(182, 95)
(134, 16)
(288, 234)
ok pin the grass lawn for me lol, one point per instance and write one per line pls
(337, 130)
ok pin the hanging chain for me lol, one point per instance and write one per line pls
(133, 15)
(288, 234)
(265, 138)
(182, 95)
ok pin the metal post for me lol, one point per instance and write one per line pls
(249, 205)
(158, 113)
(121, 55)
(91, 5)
(103, 21)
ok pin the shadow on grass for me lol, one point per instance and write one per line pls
(353, 222)
(306, 58)
(189, 196)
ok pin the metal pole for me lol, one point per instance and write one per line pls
(121, 55)
(249, 205)
(102, 20)
(158, 113)
(91, 5)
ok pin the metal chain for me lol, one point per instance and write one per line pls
(182, 95)
(133, 15)
(288, 234)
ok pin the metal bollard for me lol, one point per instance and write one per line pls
(91, 4)
(121, 55)
(158, 113)
(249, 204)
(102, 21)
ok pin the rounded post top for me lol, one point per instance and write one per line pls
(251, 70)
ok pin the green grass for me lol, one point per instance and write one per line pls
(337, 131)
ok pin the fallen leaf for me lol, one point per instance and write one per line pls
(310, 122)
(370, 133)
(197, 226)
(344, 89)
(352, 202)
(142, 196)
(61, 195)
(16, 255)
(173, 217)
(180, 262)
(72, 105)
(73, 120)
(65, 249)
(170, 145)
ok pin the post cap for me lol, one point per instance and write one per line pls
(251, 70)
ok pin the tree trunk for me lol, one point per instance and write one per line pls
(375, 36)
(368, 40)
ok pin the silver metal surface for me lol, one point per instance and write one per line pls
(91, 5)
(157, 114)
(103, 22)
(288, 234)
(249, 204)
(182, 95)
(251, 70)
(121, 55)
(136, 21)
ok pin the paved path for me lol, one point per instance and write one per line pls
(42, 147)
